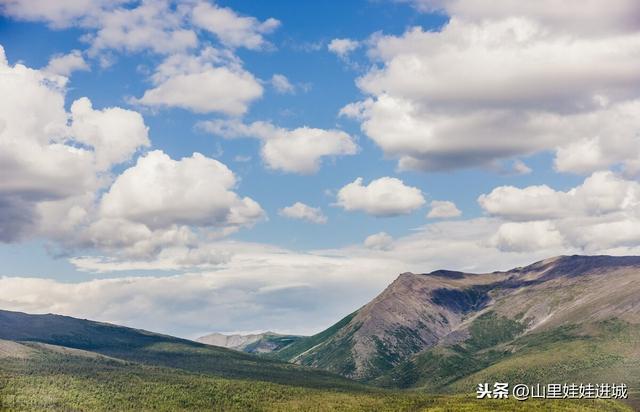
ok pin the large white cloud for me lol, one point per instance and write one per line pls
(50, 170)
(479, 91)
(162, 210)
(386, 196)
(299, 150)
(599, 214)
(601, 193)
(57, 181)
(584, 16)
(114, 133)
(159, 193)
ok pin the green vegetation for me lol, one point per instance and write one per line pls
(440, 366)
(607, 351)
(307, 343)
(160, 350)
(52, 381)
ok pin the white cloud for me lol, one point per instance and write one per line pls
(584, 16)
(297, 150)
(443, 209)
(379, 241)
(260, 287)
(59, 14)
(302, 211)
(342, 47)
(162, 210)
(115, 133)
(521, 168)
(470, 95)
(50, 170)
(530, 203)
(232, 30)
(160, 192)
(150, 25)
(281, 84)
(161, 26)
(65, 64)
(601, 193)
(527, 236)
(213, 81)
(598, 215)
(386, 196)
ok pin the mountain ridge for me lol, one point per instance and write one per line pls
(441, 309)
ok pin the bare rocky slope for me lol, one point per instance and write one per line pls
(253, 343)
(423, 319)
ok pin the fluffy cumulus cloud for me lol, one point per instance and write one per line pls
(157, 203)
(51, 161)
(342, 47)
(527, 236)
(212, 81)
(583, 16)
(299, 150)
(386, 196)
(504, 84)
(159, 191)
(443, 209)
(599, 214)
(302, 211)
(57, 179)
(101, 129)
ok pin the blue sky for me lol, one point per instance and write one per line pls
(519, 124)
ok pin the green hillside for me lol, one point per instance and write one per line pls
(304, 344)
(603, 352)
(159, 350)
(423, 344)
(50, 380)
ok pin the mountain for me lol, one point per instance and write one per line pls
(51, 362)
(566, 319)
(254, 343)
(445, 330)
(63, 333)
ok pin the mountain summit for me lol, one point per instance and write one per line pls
(421, 321)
